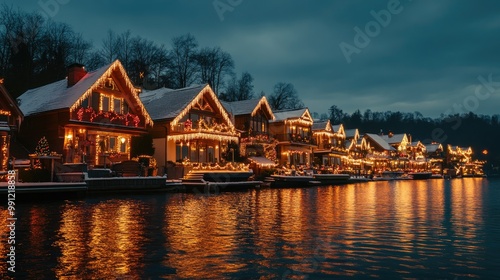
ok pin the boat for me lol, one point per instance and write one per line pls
(420, 175)
(292, 181)
(215, 181)
(331, 179)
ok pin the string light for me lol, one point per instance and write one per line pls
(263, 102)
(202, 135)
(134, 92)
(209, 91)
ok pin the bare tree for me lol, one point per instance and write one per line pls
(183, 60)
(110, 46)
(142, 58)
(285, 96)
(80, 49)
(124, 48)
(214, 64)
(239, 89)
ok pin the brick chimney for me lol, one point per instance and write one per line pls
(76, 72)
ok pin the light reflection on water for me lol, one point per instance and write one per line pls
(415, 229)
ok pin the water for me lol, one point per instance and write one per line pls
(437, 229)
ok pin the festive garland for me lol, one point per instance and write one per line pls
(89, 114)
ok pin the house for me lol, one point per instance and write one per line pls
(323, 135)
(399, 141)
(416, 155)
(380, 152)
(339, 152)
(251, 118)
(293, 130)
(190, 125)
(89, 117)
(434, 153)
(11, 118)
(330, 147)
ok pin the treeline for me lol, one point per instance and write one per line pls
(481, 132)
(35, 52)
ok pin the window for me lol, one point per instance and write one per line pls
(85, 102)
(117, 105)
(104, 103)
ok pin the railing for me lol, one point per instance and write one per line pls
(296, 138)
(90, 115)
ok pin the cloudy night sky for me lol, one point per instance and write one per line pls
(426, 58)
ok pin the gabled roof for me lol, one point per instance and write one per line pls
(339, 129)
(432, 148)
(249, 107)
(379, 141)
(351, 133)
(169, 104)
(322, 126)
(58, 95)
(395, 139)
(293, 114)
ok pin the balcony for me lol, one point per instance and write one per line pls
(296, 138)
(90, 115)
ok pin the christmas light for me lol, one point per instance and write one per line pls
(202, 135)
(134, 92)
(209, 91)
(5, 113)
(263, 102)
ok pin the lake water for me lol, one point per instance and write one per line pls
(444, 229)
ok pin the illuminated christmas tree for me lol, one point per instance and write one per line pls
(42, 148)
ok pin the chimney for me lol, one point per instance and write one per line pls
(76, 72)
(390, 134)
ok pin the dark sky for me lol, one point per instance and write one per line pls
(429, 56)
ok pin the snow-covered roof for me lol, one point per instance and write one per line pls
(396, 138)
(432, 148)
(350, 133)
(165, 103)
(58, 95)
(380, 142)
(290, 114)
(336, 127)
(248, 107)
(322, 125)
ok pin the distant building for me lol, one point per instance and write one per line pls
(293, 130)
(251, 118)
(330, 147)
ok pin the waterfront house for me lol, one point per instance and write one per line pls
(11, 118)
(417, 157)
(190, 125)
(380, 152)
(338, 151)
(434, 153)
(89, 117)
(251, 117)
(399, 158)
(293, 130)
(330, 144)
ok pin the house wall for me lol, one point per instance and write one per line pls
(160, 148)
(51, 125)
